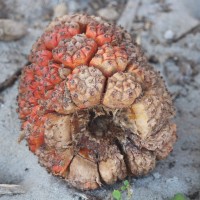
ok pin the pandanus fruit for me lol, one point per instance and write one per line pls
(92, 108)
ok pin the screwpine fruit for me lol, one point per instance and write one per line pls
(91, 107)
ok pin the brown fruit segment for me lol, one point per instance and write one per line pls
(149, 78)
(138, 71)
(86, 85)
(167, 148)
(110, 59)
(58, 99)
(122, 90)
(56, 162)
(83, 174)
(113, 169)
(140, 162)
(148, 114)
(159, 139)
(151, 112)
(75, 51)
(91, 107)
(58, 131)
(57, 153)
(168, 132)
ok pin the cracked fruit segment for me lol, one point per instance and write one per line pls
(57, 131)
(139, 161)
(113, 169)
(83, 173)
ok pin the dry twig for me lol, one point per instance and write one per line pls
(11, 189)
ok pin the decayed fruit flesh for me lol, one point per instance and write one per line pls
(92, 109)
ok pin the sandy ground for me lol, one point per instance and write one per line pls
(169, 32)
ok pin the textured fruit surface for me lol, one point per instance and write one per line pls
(91, 107)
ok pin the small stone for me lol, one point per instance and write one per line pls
(108, 13)
(172, 180)
(169, 35)
(148, 25)
(188, 179)
(94, 5)
(197, 79)
(138, 39)
(156, 175)
(60, 10)
(11, 30)
(1, 99)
